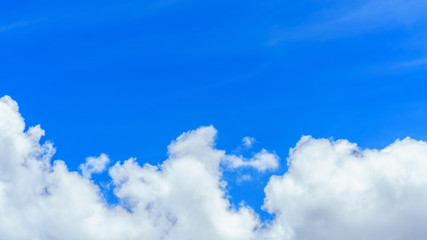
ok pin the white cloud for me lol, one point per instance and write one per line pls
(333, 190)
(261, 161)
(94, 165)
(181, 199)
(244, 178)
(248, 141)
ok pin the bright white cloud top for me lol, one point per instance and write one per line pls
(332, 190)
(261, 161)
(94, 165)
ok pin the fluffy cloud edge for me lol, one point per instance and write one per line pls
(332, 190)
(94, 165)
(261, 161)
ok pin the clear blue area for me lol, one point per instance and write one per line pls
(127, 77)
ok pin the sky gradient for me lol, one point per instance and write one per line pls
(125, 78)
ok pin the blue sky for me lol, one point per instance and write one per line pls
(127, 77)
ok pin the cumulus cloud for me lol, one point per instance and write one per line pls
(183, 198)
(332, 190)
(94, 165)
(261, 161)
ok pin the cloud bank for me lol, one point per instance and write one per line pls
(332, 190)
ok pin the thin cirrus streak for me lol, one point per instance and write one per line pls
(332, 190)
(340, 20)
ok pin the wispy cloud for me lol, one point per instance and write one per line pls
(18, 24)
(357, 18)
(374, 14)
(248, 141)
(419, 62)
